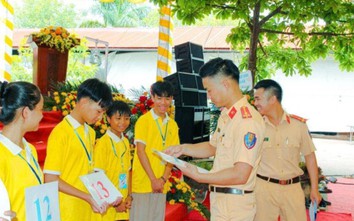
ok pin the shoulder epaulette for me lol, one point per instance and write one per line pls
(245, 112)
(303, 120)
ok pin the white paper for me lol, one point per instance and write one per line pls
(100, 187)
(4, 199)
(42, 202)
(176, 161)
(313, 211)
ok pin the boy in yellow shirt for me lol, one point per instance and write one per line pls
(153, 130)
(21, 111)
(70, 151)
(112, 155)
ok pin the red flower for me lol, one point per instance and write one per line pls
(142, 108)
(134, 110)
(173, 190)
(142, 99)
(150, 103)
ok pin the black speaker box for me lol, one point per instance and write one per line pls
(188, 91)
(189, 65)
(193, 123)
(188, 51)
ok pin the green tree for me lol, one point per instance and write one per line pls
(287, 35)
(120, 13)
(42, 13)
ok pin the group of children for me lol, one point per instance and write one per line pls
(73, 151)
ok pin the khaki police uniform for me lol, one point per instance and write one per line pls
(278, 189)
(238, 138)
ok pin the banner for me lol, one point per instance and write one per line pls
(164, 49)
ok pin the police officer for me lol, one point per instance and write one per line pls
(235, 144)
(278, 189)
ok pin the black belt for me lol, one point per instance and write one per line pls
(281, 182)
(228, 190)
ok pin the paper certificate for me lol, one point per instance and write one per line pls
(313, 211)
(100, 187)
(4, 199)
(42, 202)
(176, 161)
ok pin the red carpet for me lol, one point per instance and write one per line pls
(342, 198)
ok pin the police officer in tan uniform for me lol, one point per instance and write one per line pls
(235, 144)
(278, 189)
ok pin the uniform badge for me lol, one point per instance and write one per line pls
(245, 112)
(232, 112)
(303, 120)
(250, 140)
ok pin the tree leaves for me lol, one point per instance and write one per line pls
(291, 33)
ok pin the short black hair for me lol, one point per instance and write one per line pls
(272, 87)
(97, 91)
(118, 107)
(162, 89)
(220, 66)
(15, 95)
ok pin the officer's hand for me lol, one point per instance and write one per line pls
(174, 151)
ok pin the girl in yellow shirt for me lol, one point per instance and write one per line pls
(21, 111)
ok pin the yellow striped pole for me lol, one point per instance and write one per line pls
(6, 38)
(164, 49)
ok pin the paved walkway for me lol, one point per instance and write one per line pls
(335, 157)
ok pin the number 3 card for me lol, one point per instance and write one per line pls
(100, 187)
(42, 202)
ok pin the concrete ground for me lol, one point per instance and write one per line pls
(335, 156)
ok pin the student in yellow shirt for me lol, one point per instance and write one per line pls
(112, 155)
(21, 111)
(155, 130)
(70, 151)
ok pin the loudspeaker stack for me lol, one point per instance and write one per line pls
(192, 112)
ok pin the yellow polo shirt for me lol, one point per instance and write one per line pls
(148, 133)
(16, 173)
(67, 157)
(112, 155)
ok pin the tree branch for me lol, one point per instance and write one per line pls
(261, 46)
(270, 15)
(310, 33)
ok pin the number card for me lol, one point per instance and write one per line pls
(42, 202)
(100, 187)
(4, 199)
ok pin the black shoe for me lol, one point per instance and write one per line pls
(325, 190)
(323, 204)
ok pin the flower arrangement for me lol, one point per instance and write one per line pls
(64, 99)
(55, 37)
(179, 191)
